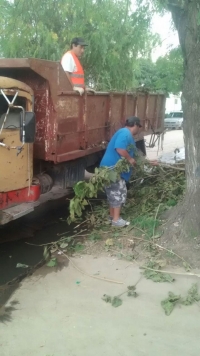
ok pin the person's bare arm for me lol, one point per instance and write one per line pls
(125, 154)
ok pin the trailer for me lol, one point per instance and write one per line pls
(49, 134)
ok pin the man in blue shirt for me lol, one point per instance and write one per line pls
(120, 146)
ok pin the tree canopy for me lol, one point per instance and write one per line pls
(119, 37)
(165, 74)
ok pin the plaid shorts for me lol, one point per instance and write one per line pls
(116, 193)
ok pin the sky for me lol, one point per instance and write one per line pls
(169, 36)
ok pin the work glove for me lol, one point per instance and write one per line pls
(79, 90)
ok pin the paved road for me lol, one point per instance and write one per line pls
(61, 313)
(172, 140)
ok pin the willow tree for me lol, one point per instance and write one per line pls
(165, 74)
(116, 33)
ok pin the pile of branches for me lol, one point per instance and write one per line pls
(162, 185)
(150, 187)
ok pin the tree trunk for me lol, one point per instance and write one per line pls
(186, 16)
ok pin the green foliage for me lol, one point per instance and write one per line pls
(53, 262)
(192, 297)
(79, 247)
(116, 35)
(94, 236)
(148, 190)
(131, 291)
(165, 74)
(50, 261)
(170, 71)
(146, 223)
(169, 303)
(156, 276)
(107, 298)
(116, 301)
(85, 190)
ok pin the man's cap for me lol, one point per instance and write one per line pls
(132, 121)
(78, 41)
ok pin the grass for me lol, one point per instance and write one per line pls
(146, 223)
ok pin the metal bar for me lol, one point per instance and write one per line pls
(8, 101)
(77, 154)
(7, 112)
(12, 102)
(85, 119)
(23, 122)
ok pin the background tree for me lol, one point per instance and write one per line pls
(119, 37)
(116, 34)
(165, 74)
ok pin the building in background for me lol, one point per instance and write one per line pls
(173, 103)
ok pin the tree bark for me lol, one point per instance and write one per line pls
(186, 16)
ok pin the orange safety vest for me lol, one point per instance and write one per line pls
(77, 77)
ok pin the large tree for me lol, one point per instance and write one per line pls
(186, 17)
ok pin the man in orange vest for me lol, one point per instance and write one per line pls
(72, 66)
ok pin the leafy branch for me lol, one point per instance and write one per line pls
(102, 177)
(169, 303)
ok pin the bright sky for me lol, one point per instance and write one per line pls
(169, 36)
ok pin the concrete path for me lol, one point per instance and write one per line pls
(172, 140)
(61, 313)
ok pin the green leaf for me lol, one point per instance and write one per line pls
(169, 303)
(158, 276)
(107, 298)
(53, 262)
(109, 242)
(131, 287)
(113, 176)
(155, 276)
(132, 293)
(192, 296)
(79, 189)
(116, 302)
(84, 202)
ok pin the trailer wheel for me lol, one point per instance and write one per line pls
(45, 181)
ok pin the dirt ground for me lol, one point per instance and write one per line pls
(187, 248)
